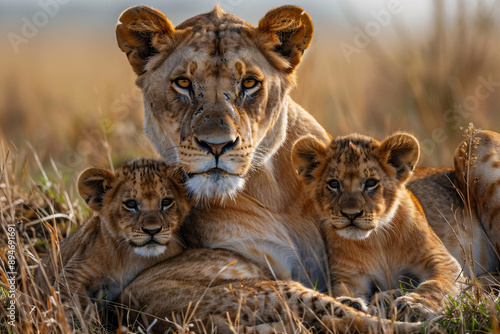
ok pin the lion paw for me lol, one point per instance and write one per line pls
(356, 303)
(413, 308)
(380, 304)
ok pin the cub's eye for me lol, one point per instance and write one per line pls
(333, 185)
(131, 204)
(249, 83)
(370, 184)
(183, 83)
(166, 203)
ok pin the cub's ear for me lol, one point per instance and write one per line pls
(285, 32)
(177, 174)
(140, 31)
(307, 154)
(179, 177)
(93, 184)
(401, 151)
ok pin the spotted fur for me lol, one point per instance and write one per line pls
(211, 298)
(377, 235)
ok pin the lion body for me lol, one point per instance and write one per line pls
(448, 214)
(477, 176)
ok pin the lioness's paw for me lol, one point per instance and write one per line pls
(356, 303)
(380, 304)
(412, 307)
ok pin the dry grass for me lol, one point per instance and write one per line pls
(79, 107)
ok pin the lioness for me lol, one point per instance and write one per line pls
(376, 232)
(138, 210)
(216, 98)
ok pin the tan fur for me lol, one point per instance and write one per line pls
(377, 235)
(117, 243)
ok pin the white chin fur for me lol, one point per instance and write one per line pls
(354, 233)
(150, 251)
(209, 187)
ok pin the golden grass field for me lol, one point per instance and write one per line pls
(68, 101)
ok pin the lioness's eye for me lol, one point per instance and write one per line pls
(131, 204)
(249, 83)
(333, 185)
(183, 83)
(371, 183)
(166, 203)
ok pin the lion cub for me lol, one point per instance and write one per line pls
(376, 232)
(137, 211)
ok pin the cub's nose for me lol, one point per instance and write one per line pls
(151, 230)
(351, 216)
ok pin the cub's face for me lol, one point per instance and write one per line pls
(214, 88)
(355, 181)
(140, 205)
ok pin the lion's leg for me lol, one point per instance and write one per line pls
(477, 170)
(246, 305)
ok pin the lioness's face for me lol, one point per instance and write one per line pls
(355, 182)
(213, 111)
(141, 204)
(214, 91)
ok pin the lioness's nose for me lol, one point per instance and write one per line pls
(351, 216)
(151, 230)
(216, 148)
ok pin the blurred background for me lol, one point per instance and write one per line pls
(67, 93)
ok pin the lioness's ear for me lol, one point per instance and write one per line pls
(401, 151)
(140, 31)
(93, 184)
(286, 31)
(307, 154)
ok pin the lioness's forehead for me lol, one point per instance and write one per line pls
(215, 18)
(211, 42)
